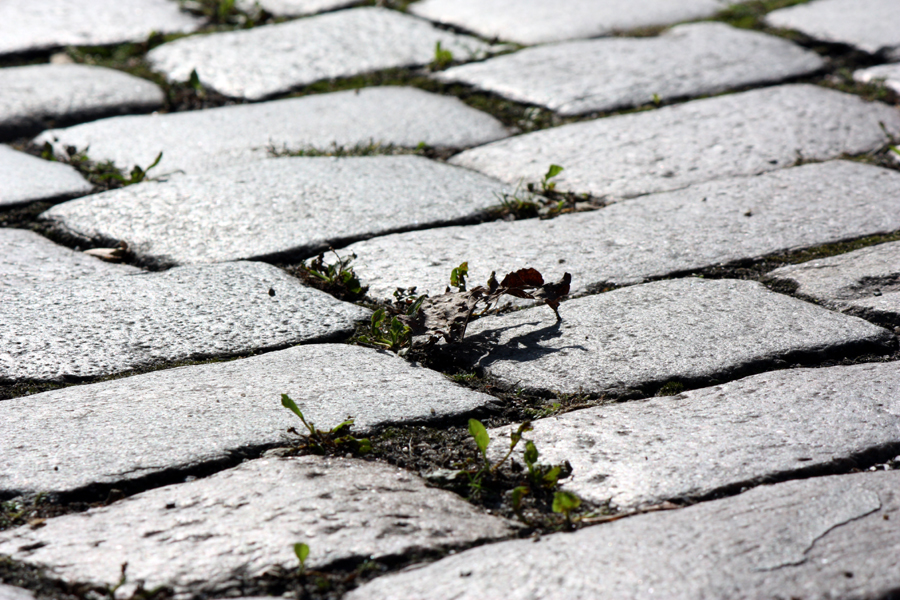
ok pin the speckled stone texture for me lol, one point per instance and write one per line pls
(97, 326)
(293, 8)
(676, 146)
(260, 62)
(27, 258)
(233, 135)
(638, 338)
(660, 234)
(280, 207)
(208, 534)
(828, 537)
(865, 283)
(176, 420)
(44, 24)
(735, 435)
(538, 22)
(606, 74)
(869, 25)
(29, 179)
(38, 96)
(8, 592)
(889, 75)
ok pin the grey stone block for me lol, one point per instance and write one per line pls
(27, 258)
(232, 135)
(286, 206)
(97, 326)
(537, 22)
(676, 146)
(606, 74)
(38, 96)
(272, 59)
(210, 533)
(35, 26)
(29, 179)
(293, 8)
(865, 283)
(870, 25)
(889, 75)
(179, 419)
(8, 592)
(735, 435)
(689, 330)
(827, 537)
(660, 234)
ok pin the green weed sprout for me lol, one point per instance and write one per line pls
(302, 552)
(320, 441)
(442, 57)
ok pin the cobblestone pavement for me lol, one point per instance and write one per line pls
(252, 336)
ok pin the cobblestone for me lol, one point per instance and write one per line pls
(39, 96)
(273, 59)
(676, 146)
(888, 74)
(233, 135)
(295, 206)
(606, 74)
(28, 179)
(689, 330)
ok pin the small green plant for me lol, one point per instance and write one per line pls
(337, 278)
(390, 334)
(482, 440)
(458, 276)
(895, 150)
(301, 550)
(442, 58)
(105, 174)
(320, 441)
(565, 502)
(548, 186)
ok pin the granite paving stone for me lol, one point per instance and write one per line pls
(676, 146)
(211, 533)
(735, 435)
(187, 417)
(27, 258)
(8, 592)
(95, 326)
(888, 74)
(826, 537)
(45, 24)
(37, 96)
(634, 339)
(536, 22)
(287, 206)
(272, 59)
(865, 282)
(233, 135)
(869, 25)
(293, 8)
(660, 234)
(598, 75)
(29, 179)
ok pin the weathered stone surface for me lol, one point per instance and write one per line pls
(865, 283)
(636, 338)
(870, 25)
(606, 74)
(8, 592)
(888, 74)
(296, 206)
(734, 435)
(209, 533)
(97, 326)
(29, 179)
(260, 62)
(827, 537)
(537, 22)
(660, 234)
(202, 140)
(179, 419)
(293, 8)
(40, 95)
(676, 146)
(27, 258)
(44, 24)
